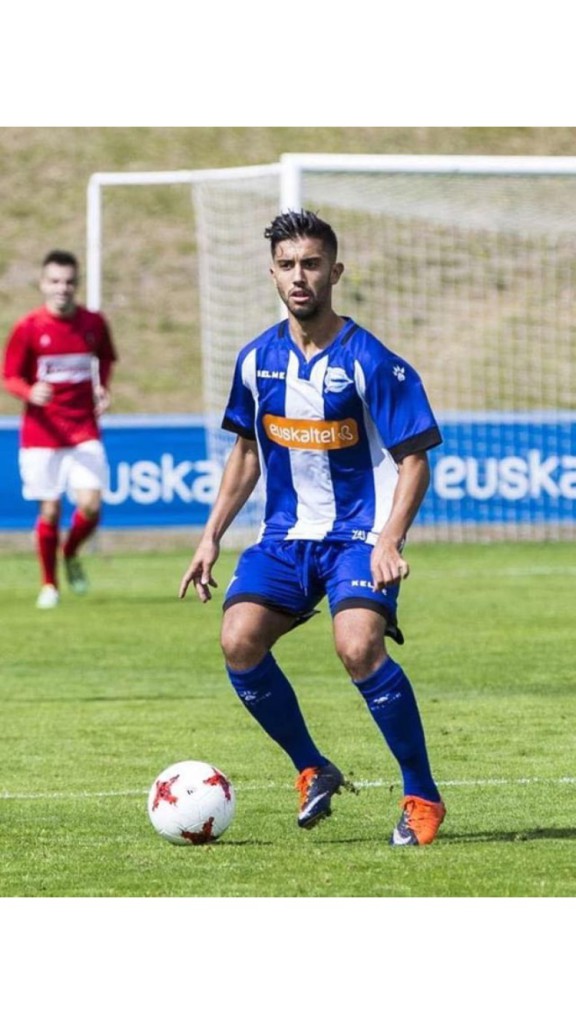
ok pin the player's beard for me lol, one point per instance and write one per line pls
(64, 307)
(304, 313)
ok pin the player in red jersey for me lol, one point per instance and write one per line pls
(58, 361)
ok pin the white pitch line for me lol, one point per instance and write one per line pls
(360, 784)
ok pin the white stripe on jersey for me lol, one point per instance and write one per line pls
(249, 371)
(65, 369)
(249, 380)
(311, 477)
(384, 469)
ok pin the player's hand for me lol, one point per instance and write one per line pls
(388, 566)
(101, 399)
(199, 572)
(40, 393)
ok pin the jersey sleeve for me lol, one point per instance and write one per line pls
(106, 353)
(399, 405)
(18, 388)
(18, 361)
(240, 412)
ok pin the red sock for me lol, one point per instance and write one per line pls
(47, 535)
(82, 527)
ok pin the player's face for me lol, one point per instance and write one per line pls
(304, 274)
(58, 286)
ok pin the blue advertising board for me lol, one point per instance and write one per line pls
(492, 469)
(159, 474)
(498, 468)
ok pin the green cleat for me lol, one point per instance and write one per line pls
(76, 576)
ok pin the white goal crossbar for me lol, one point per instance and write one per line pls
(294, 165)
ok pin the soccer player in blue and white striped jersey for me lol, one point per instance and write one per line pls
(338, 426)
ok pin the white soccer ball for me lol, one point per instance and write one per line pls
(191, 803)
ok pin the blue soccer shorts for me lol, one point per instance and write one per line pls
(293, 576)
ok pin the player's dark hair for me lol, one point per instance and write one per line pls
(62, 257)
(301, 224)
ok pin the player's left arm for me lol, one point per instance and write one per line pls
(388, 564)
(102, 365)
(101, 373)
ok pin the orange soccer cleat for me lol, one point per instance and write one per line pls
(419, 822)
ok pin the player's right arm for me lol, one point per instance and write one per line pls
(239, 479)
(38, 393)
(19, 373)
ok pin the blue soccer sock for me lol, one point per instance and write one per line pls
(392, 704)
(266, 693)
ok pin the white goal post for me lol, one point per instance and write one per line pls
(463, 265)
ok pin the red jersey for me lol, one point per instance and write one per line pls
(69, 353)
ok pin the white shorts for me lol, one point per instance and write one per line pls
(48, 473)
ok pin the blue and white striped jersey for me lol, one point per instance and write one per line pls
(330, 431)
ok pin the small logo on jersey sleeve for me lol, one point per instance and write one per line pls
(311, 435)
(399, 372)
(336, 379)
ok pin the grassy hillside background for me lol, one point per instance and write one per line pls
(45, 172)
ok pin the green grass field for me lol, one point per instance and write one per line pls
(102, 693)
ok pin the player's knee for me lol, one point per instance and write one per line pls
(242, 648)
(359, 658)
(90, 509)
(50, 512)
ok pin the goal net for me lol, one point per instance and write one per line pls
(465, 268)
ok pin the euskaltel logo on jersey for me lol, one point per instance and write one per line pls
(311, 435)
